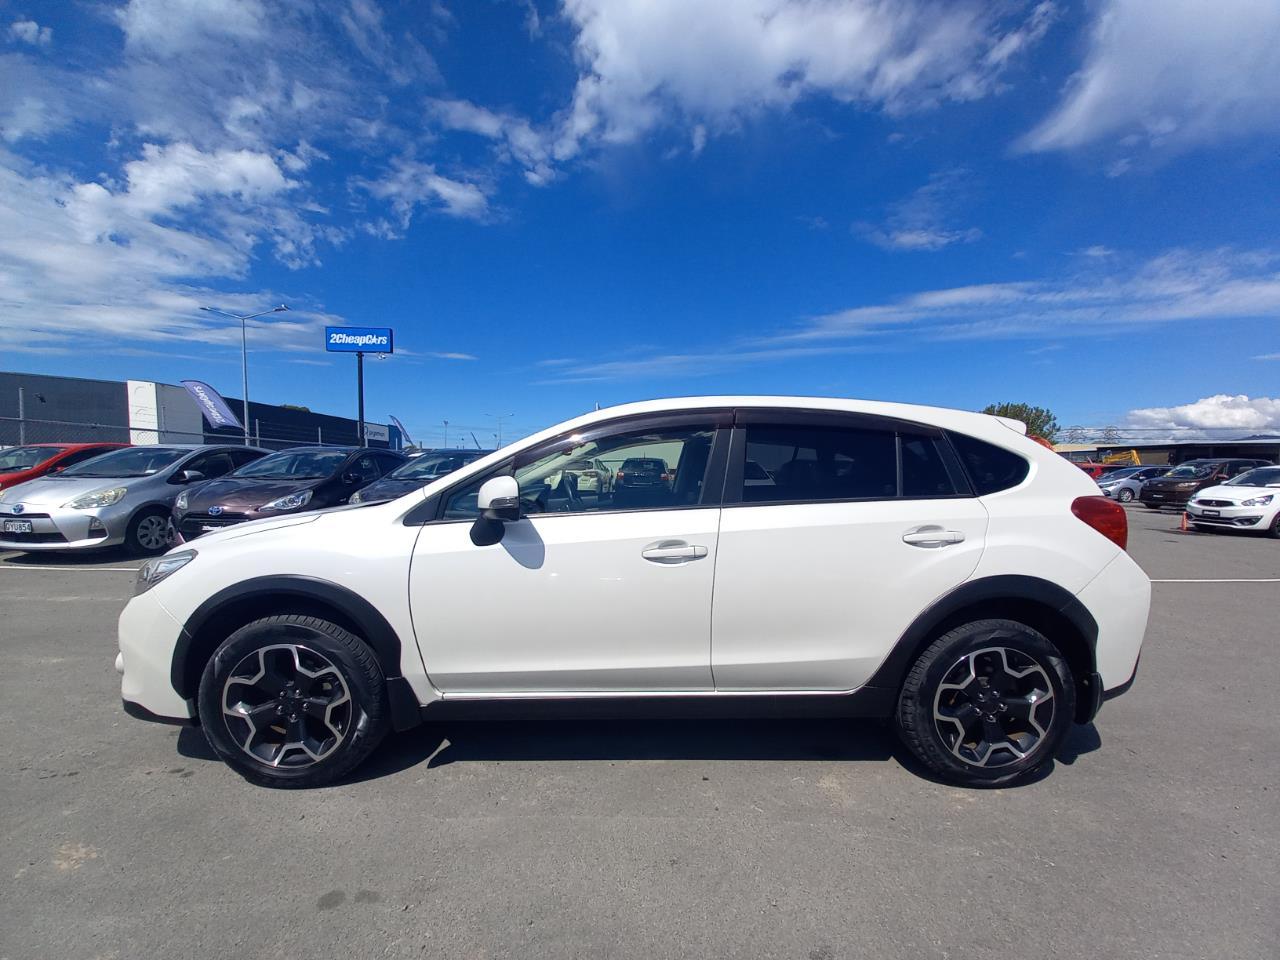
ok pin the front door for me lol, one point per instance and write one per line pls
(835, 535)
(586, 594)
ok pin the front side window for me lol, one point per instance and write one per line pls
(667, 469)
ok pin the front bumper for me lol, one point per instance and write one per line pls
(195, 524)
(1167, 498)
(1242, 518)
(148, 636)
(61, 528)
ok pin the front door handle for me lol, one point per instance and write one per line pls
(673, 551)
(932, 537)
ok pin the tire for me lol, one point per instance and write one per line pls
(1152, 506)
(1124, 495)
(1031, 702)
(276, 666)
(1274, 530)
(148, 533)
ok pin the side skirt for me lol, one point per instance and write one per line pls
(863, 702)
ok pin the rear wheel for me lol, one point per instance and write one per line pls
(293, 701)
(987, 703)
(148, 533)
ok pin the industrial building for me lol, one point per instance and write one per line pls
(37, 409)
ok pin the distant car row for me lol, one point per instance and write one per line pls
(1242, 494)
(86, 496)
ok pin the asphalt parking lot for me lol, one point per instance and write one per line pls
(1155, 835)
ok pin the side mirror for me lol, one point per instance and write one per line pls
(350, 477)
(499, 499)
(499, 503)
(191, 476)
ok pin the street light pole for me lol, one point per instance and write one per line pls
(499, 417)
(244, 353)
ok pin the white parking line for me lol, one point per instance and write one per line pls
(1233, 580)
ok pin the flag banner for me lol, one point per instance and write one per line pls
(403, 432)
(211, 404)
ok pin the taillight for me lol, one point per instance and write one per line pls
(665, 477)
(1106, 516)
(619, 475)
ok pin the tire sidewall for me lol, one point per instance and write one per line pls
(1125, 496)
(916, 702)
(365, 685)
(131, 536)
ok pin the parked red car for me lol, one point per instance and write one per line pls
(31, 460)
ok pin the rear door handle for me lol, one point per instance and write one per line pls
(932, 537)
(673, 551)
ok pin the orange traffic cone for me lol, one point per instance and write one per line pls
(1183, 528)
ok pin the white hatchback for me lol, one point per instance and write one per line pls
(1250, 501)
(931, 566)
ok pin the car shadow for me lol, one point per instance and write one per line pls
(440, 744)
(57, 558)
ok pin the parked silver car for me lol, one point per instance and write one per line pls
(122, 497)
(1126, 484)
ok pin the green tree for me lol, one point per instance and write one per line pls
(1040, 421)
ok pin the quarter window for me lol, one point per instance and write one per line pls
(991, 468)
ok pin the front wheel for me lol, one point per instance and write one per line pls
(987, 703)
(148, 534)
(1274, 529)
(1123, 495)
(293, 701)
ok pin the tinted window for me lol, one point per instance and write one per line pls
(212, 464)
(80, 456)
(819, 463)
(924, 467)
(991, 468)
(548, 476)
(241, 457)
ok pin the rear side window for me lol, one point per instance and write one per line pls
(991, 468)
(800, 463)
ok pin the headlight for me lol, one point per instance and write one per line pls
(355, 497)
(157, 568)
(1259, 501)
(292, 502)
(100, 498)
(183, 499)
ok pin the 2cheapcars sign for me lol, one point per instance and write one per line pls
(359, 340)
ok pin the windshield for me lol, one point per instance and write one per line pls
(134, 462)
(429, 465)
(24, 458)
(294, 465)
(1120, 474)
(1260, 477)
(1189, 471)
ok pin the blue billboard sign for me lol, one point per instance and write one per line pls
(359, 340)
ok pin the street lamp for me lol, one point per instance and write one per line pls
(244, 353)
(499, 417)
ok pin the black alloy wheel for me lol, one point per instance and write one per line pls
(987, 703)
(293, 701)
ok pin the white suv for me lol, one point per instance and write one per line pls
(883, 560)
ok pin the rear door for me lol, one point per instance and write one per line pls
(841, 532)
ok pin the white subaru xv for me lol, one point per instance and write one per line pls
(797, 556)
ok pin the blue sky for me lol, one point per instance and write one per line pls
(559, 204)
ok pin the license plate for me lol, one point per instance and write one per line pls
(1157, 496)
(17, 526)
(1210, 513)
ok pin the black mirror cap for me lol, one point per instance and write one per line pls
(487, 531)
(503, 510)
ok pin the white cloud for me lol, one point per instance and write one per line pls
(171, 28)
(28, 31)
(710, 62)
(923, 220)
(1267, 356)
(1097, 252)
(520, 141)
(1220, 414)
(1178, 286)
(410, 184)
(1171, 73)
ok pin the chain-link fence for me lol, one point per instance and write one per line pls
(15, 431)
